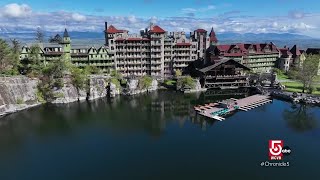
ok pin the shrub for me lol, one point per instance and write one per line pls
(178, 73)
(170, 82)
(116, 82)
(58, 95)
(20, 101)
(40, 97)
(92, 70)
(145, 82)
(116, 74)
(123, 82)
(186, 81)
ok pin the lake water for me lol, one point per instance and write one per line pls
(157, 136)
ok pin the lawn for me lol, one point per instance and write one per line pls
(282, 76)
(297, 87)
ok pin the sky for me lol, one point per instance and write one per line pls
(239, 16)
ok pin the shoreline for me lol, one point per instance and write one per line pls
(279, 95)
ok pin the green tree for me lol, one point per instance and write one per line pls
(5, 57)
(307, 73)
(34, 63)
(186, 81)
(16, 55)
(51, 77)
(79, 78)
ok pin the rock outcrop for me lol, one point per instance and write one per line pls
(97, 88)
(68, 93)
(133, 87)
(17, 93)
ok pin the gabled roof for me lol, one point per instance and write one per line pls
(200, 31)
(156, 29)
(244, 49)
(112, 30)
(295, 51)
(223, 61)
(285, 52)
(313, 51)
(213, 37)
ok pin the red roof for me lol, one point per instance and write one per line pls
(111, 29)
(285, 51)
(183, 44)
(201, 30)
(243, 49)
(157, 29)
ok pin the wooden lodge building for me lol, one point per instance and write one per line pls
(216, 71)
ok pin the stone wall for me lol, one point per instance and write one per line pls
(17, 93)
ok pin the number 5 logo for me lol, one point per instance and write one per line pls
(275, 147)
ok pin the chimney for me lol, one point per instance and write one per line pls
(106, 34)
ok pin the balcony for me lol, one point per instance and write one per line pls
(134, 50)
(155, 62)
(180, 65)
(134, 62)
(157, 68)
(156, 50)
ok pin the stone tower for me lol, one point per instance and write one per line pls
(66, 43)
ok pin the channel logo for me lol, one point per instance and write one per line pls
(277, 150)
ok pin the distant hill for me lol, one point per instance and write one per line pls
(97, 38)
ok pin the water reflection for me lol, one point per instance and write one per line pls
(300, 118)
(148, 113)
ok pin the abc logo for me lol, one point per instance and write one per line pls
(286, 150)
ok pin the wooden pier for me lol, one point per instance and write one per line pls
(212, 109)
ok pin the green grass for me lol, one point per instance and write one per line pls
(297, 87)
(282, 76)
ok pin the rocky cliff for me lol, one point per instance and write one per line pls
(133, 87)
(17, 93)
(69, 93)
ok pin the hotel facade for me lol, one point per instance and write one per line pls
(159, 53)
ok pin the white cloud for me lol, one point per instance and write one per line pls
(16, 11)
(78, 17)
(55, 22)
(132, 19)
(296, 14)
(199, 10)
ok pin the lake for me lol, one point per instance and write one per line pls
(157, 136)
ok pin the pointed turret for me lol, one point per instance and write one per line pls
(213, 37)
(66, 45)
(66, 34)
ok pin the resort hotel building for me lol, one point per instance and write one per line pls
(159, 53)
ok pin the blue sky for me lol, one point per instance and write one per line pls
(278, 16)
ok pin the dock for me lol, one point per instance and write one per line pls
(216, 110)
